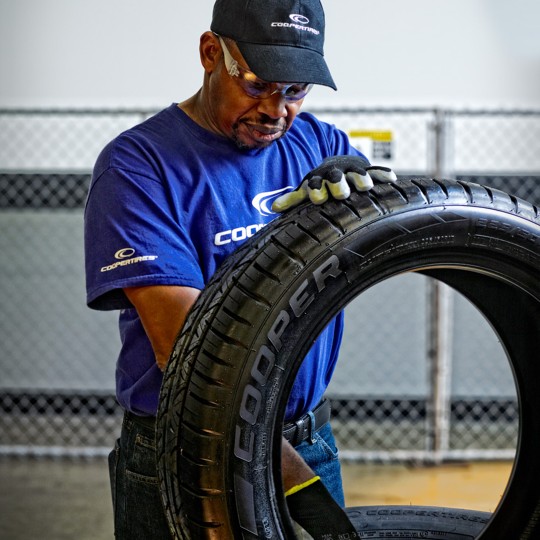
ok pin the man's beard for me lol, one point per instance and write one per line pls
(244, 146)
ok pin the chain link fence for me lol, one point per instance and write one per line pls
(57, 357)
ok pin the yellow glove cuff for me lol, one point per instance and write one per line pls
(296, 489)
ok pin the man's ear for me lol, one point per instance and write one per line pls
(210, 51)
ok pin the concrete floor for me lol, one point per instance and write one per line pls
(56, 499)
(475, 486)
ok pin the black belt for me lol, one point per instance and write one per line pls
(295, 432)
(303, 429)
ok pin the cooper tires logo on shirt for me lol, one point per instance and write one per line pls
(263, 203)
(124, 253)
(125, 256)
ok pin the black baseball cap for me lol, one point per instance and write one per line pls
(281, 40)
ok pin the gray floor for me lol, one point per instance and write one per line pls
(67, 499)
(54, 499)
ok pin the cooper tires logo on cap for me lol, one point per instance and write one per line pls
(300, 19)
(299, 23)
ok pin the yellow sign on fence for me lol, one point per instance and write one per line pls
(376, 145)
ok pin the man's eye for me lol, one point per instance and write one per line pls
(296, 89)
(259, 85)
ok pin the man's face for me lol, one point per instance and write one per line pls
(251, 122)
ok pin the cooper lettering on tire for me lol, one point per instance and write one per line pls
(225, 389)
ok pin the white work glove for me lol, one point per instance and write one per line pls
(335, 176)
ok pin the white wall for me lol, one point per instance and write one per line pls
(93, 53)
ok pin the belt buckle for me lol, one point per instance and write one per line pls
(306, 428)
(311, 427)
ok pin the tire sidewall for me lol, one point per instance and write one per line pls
(479, 239)
(337, 251)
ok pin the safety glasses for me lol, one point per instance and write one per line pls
(257, 88)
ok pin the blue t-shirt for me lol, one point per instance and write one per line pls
(168, 202)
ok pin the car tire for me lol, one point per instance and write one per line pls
(225, 389)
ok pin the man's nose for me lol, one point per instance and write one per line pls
(274, 106)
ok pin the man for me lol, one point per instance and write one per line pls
(172, 197)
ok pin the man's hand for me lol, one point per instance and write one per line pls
(313, 508)
(334, 177)
(310, 503)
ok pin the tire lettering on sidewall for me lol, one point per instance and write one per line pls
(251, 404)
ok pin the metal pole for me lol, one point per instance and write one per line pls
(440, 310)
(440, 369)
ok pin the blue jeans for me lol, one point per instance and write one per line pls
(322, 457)
(138, 510)
(137, 505)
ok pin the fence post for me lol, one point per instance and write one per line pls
(440, 310)
(440, 369)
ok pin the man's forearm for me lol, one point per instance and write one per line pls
(163, 310)
(294, 469)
